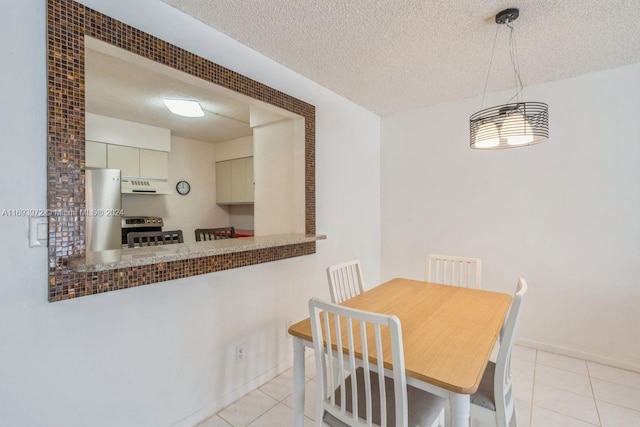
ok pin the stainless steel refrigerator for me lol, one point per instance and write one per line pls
(103, 203)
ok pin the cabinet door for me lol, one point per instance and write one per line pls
(248, 173)
(223, 182)
(95, 154)
(237, 181)
(154, 164)
(127, 159)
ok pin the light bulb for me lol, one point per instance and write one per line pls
(516, 130)
(487, 136)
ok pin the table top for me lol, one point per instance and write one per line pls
(448, 332)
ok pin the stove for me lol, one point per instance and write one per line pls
(140, 223)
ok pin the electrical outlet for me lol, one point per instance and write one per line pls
(240, 353)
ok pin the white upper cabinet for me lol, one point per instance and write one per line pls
(154, 164)
(223, 182)
(127, 159)
(137, 163)
(248, 183)
(95, 155)
(234, 181)
(138, 150)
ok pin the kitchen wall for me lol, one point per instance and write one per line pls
(234, 148)
(565, 214)
(162, 354)
(240, 216)
(193, 161)
(279, 202)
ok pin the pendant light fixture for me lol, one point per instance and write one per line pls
(516, 123)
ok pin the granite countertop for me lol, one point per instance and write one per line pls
(132, 257)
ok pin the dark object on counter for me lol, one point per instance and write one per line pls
(138, 239)
(203, 234)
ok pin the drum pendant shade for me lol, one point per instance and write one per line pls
(514, 124)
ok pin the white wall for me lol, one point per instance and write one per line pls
(565, 214)
(192, 161)
(241, 217)
(114, 131)
(273, 169)
(159, 354)
(234, 148)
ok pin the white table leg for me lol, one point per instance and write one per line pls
(298, 382)
(460, 407)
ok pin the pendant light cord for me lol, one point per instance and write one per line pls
(486, 82)
(513, 53)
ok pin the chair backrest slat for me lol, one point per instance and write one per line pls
(345, 281)
(454, 270)
(357, 337)
(502, 381)
(137, 239)
(204, 234)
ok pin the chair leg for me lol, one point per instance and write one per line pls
(447, 414)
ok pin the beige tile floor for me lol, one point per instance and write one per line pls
(551, 391)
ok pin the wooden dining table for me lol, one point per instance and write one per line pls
(448, 334)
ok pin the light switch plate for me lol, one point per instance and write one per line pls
(38, 231)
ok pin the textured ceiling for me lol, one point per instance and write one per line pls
(395, 55)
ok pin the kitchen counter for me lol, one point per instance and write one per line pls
(131, 257)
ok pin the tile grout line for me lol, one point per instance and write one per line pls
(547, 385)
(615, 383)
(566, 415)
(560, 413)
(618, 406)
(270, 408)
(563, 369)
(533, 388)
(254, 419)
(593, 392)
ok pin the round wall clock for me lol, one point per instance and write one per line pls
(183, 187)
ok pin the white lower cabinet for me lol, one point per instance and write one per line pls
(234, 181)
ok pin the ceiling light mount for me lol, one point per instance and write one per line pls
(516, 123)
(507, 15)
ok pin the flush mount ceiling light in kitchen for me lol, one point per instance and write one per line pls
(184, 107)
(514, 124)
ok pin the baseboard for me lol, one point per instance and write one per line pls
(609, 361)
(215, 406)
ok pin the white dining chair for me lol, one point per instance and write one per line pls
(372, 399)
(345, 280)
(493, 403)
(454, 270)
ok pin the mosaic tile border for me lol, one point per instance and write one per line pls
(67, 24)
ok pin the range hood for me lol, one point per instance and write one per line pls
(145, 186)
